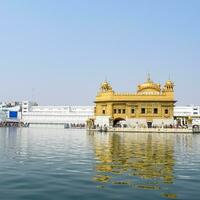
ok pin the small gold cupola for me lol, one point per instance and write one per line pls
(106, 87)
(169, 86)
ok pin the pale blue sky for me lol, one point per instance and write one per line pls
(59, 51)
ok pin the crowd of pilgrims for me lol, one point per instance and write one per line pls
(21, 124)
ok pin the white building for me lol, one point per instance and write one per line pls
(61, 116)
(182, 113)
(10, 112)
(55, 116)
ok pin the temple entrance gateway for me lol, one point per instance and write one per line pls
(116, 122)
(149, 124)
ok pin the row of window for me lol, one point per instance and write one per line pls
(120, 111)
(143, 111)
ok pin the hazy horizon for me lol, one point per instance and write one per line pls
(59, 52)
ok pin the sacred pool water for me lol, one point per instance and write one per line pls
(63, 164)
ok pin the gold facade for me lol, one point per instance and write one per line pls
(151, 101)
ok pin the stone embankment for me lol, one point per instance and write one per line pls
(146, 130)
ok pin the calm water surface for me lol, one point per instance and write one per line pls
(73, 164)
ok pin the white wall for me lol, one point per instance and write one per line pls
(55, 114)
(185, 111)
(102, 120)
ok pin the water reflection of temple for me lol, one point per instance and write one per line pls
(142, 156)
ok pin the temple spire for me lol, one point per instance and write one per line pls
(169, 77)
(148, 77)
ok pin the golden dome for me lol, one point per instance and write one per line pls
(148, 87)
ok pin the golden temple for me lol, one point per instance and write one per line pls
(151, 105)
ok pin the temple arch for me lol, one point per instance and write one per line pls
(117, 120)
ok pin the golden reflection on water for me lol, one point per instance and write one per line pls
(144, 161)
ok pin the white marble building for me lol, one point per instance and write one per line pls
(55, 116)
(8, 109)
(183, 112)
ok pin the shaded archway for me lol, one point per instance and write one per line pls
(196, 128)
(116, 122)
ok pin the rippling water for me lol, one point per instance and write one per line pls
(73, 164)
